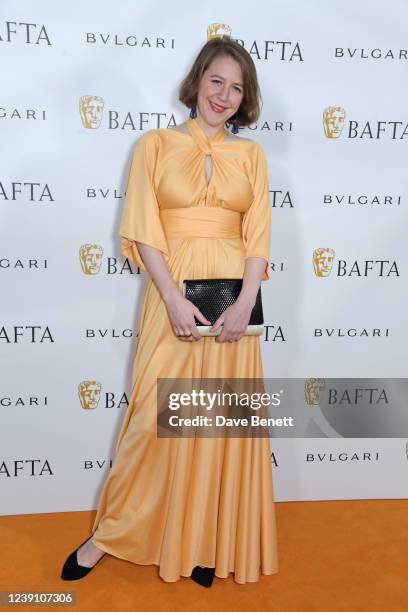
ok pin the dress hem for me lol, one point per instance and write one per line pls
(157, 563)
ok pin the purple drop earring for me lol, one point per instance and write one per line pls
(234, 126)
(193, 112)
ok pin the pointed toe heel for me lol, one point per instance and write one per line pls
(203, 575)
(72, 570)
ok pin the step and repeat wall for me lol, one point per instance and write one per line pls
(80, 84)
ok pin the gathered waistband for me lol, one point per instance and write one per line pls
(201, 221)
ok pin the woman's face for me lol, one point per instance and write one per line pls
(221, 91)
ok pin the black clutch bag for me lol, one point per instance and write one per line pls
(214, 295)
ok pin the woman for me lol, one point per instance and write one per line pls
(197, 206)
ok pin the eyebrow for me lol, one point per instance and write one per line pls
(220, 77)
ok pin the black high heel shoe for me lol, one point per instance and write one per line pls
(203, 575)
(72, 570)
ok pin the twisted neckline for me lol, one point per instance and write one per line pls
(198, 132)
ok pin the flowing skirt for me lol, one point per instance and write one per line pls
(181, 502)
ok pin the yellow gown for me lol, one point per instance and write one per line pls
(181, 502)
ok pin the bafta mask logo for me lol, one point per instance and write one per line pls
(313, 389)
(91, 110)
(333, 121)
(323, 261)
(90, 256)
(217, 30)
(89, 393)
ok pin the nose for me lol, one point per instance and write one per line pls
(223, 93)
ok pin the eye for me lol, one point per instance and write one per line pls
(235, 86)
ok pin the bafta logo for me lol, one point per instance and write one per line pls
(217, 30)
(91, 109)
(323, 261)
(313, 389)
(90, 256)
(89, 393)
(333, 121)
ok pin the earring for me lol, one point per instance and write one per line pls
(233, 125)
(193, 112)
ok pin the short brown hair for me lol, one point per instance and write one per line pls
(249, 108)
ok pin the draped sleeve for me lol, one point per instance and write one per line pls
(256, 221)
(140, 219)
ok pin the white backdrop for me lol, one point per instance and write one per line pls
(62, 186)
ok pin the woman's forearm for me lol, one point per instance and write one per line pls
(253, 273)
(158, 270)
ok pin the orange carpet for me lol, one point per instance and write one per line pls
(334, 555)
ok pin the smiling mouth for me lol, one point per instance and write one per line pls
(216, 108)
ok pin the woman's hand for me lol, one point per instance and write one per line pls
(235, 319)
(181, 314)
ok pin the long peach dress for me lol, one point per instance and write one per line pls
(182, 502)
